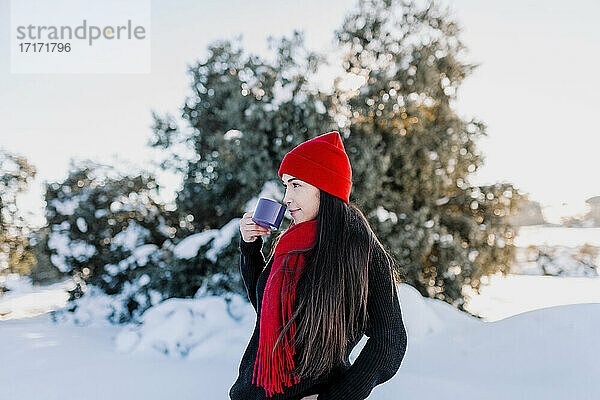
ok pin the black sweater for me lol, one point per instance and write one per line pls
(378, 361)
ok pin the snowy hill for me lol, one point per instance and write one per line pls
(190, 348)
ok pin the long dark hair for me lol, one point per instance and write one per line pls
(330, 307)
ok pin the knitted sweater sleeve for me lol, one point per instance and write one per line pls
(252, 262)
(380, 358)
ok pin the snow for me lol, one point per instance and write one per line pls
(59, 240)
(189, 328)
(196, 345)
(233, 134)
(537, 340)
(352, 82)
(81, 224)
(189, 247)
(67, 206)
(142, 253)
(507, 296)
(553, 236)
(566, 261)
(95, 307)
(282, 94)
(23, 300)
(383, 215)
(139, 257)
(54, 362)
(131, 237)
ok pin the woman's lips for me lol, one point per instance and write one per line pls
(291, 212)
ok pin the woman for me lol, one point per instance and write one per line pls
(328, 281)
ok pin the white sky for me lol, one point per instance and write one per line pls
(536, 88)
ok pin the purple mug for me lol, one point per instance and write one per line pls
(268, 213)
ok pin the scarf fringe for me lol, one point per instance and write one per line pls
(273, 378)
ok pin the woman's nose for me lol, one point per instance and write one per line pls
(286, 200)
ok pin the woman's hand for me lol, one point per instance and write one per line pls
(251, 230)
(312, 397)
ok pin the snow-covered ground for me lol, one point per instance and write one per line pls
(554, 235)
(538, 341)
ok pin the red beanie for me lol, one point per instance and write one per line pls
(323, 163)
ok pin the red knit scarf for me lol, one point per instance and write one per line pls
(276, 310)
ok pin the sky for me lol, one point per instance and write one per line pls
(536, 89)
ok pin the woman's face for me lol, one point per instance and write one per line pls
(300, 196)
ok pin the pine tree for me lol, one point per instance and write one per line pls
(16, 254)
(412, 154)
(44, 272)
(106, 229)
